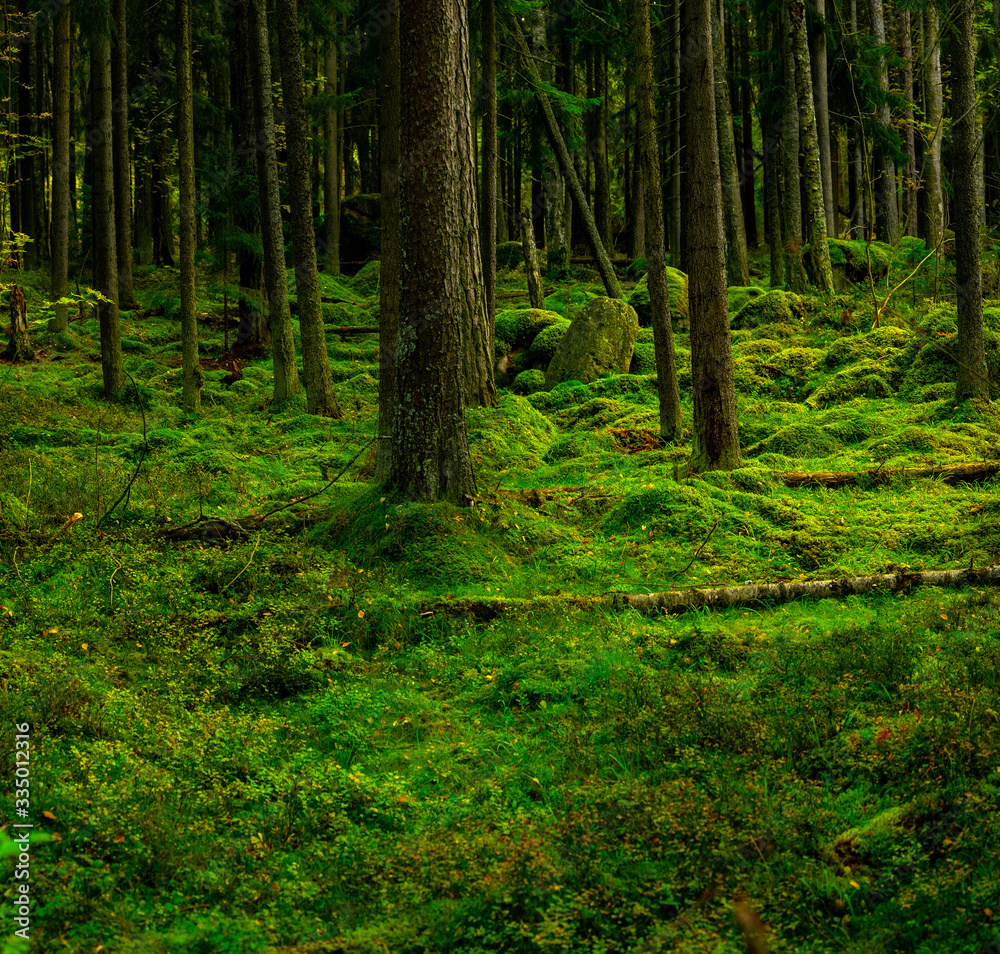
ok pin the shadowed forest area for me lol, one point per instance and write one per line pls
(500, 476)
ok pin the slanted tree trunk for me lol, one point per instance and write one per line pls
(791, 194)
(886, 208)
(973, 381)
(737, 270)
(536, 291)
(105, 267)
(820, 251)
(934, 95)
(286, 376)
(191, 395)
(320, 396)
(390, 124)
(715, 441)
(60, 167)
(656, 262)
(821, 98)
(331, 167)
(430, 447)
(122, 155)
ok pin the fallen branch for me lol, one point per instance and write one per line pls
(951, 474)
(355, 330)
(729, 596)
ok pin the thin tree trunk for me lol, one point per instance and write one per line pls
(817, 50)
(599, 143)
(909, 143)
(24, 195)
(715, 441)
(934, 195)
(488, 208)
(886, 208)
(792, 205)
(331, 167)
(185, 163)
(748, 191)
(320, 396)
(122, 156)
(656, 262)
(676, 180)
(536, 291)
(973, 381)
(60, 167)
(286, 376)
(772, 174)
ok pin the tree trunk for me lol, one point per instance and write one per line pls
(24, 195)
(821, 99)
(737, 270)
(191, 395)
(331, 168)
(599, 148)
(536, 290)
(430, 447)
(934, 93)
(656, 262)
(820, 251)
(163, 226)
(715, 441)
(286, 376)
(748, 191)
(909, 143)
(122, 155)
(886, 208)
(772, 174)
(40, 128)
(60, 167)
(390, 118)
(488, 206)
(105, 268)
(792, 205)
(676, 180)
(19, 344)
(973, 381)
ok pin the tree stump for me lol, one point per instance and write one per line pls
(18, 347)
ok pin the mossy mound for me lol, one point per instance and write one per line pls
(677, 287)
(869, 379)
(772, 308)
(643, 359)
(599, 341)
(528, 382)
(509, 255)
(366, 281)
(517, 327)
(739, 295)
(636, 270)
(672, 508)
(568, 300)
(878, 345)
(805, 440)
(544, 344)
(512, 434)
(860, 260)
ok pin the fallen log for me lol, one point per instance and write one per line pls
(355, 330)
(728, 596)
(951, 474)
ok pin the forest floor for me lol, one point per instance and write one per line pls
(370, 725)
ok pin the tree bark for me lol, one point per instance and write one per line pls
(105, 268)
(430, 447)
(676, 176)
(191, 394)
(599, 148)
(973, 381)
(24, 195)
(772, 175)
(286, 376)
(536, 291)
(316, 376)
(60, 167)
(488, 205)
(934, 94)
(791, 194)
(886, 208)
(715, 441)
(909, 143)
(820, 251)
(737, 270)
(656, 262)
(748, 191)
(122, 155)
(821, 99)
(331, 167)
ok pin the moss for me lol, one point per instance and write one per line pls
(594, 413)
(860, 260)
(366, 281)
(577, 444)
(568, 300)
(643, 359)
(543, 346)
(806, 439)
(864, 379)
(512, 434)
(599, 341)
(636, 270)
(739, 295)
(527, 382)
(772, 308)
(517, 327)
(677, 287)
(509, 255)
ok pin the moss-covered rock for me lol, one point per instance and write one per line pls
(739, 295)
(865, 379)
(509, 255)
(599, 341)
(544, 345)
(772, 308)
(860, 260)
(517, 327)
(568, 300)
(528, 382)
(643, 359)
(366, 281)
(677, 287)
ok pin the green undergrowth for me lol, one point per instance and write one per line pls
(325, 735)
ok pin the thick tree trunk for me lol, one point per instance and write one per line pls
(715, 441)
(886, 208)
(191, 396)
(390, 125)
(737, 270)
(320, 396)
(60, 167)
(934, 95)
(973, 381)
(821, 99)
(430, 447)
(792, 205)
(817, 218)
(286, 376)
(122, 155)
(331, 168)
(656, 263)
(676, 176)
(105, 268)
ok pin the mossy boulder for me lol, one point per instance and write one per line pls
(870, 379)
(528, 382)
(643, 359)
(739, 295)
(677, 287)
(517, 327)
(544, 345)
(859, 260)
(772, 308)
(366, 281)
(599, 341)
(509, 255)
(568, 300)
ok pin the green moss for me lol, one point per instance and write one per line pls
(543, 346)
(739, 295)
(512, 434)
(517, 327)
(568, 300)
(677, 288)
(806, 439)
(528, 382)
(367, 279)
(599, 341)
(509, 255)
(643, 359)
(772, 308)
(860, 260)
(864, 379)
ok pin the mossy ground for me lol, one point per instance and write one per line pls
(302, 738)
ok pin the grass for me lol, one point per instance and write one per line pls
(305, 740)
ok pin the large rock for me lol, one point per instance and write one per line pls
(599, 340)
(677, 288)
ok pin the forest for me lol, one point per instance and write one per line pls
(500, 475)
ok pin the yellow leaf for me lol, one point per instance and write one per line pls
(49, 816)
(854, 884)
(84, 646)
(361, 614)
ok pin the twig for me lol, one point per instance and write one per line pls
(696, 552)
(125, 494)
(246, 566)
